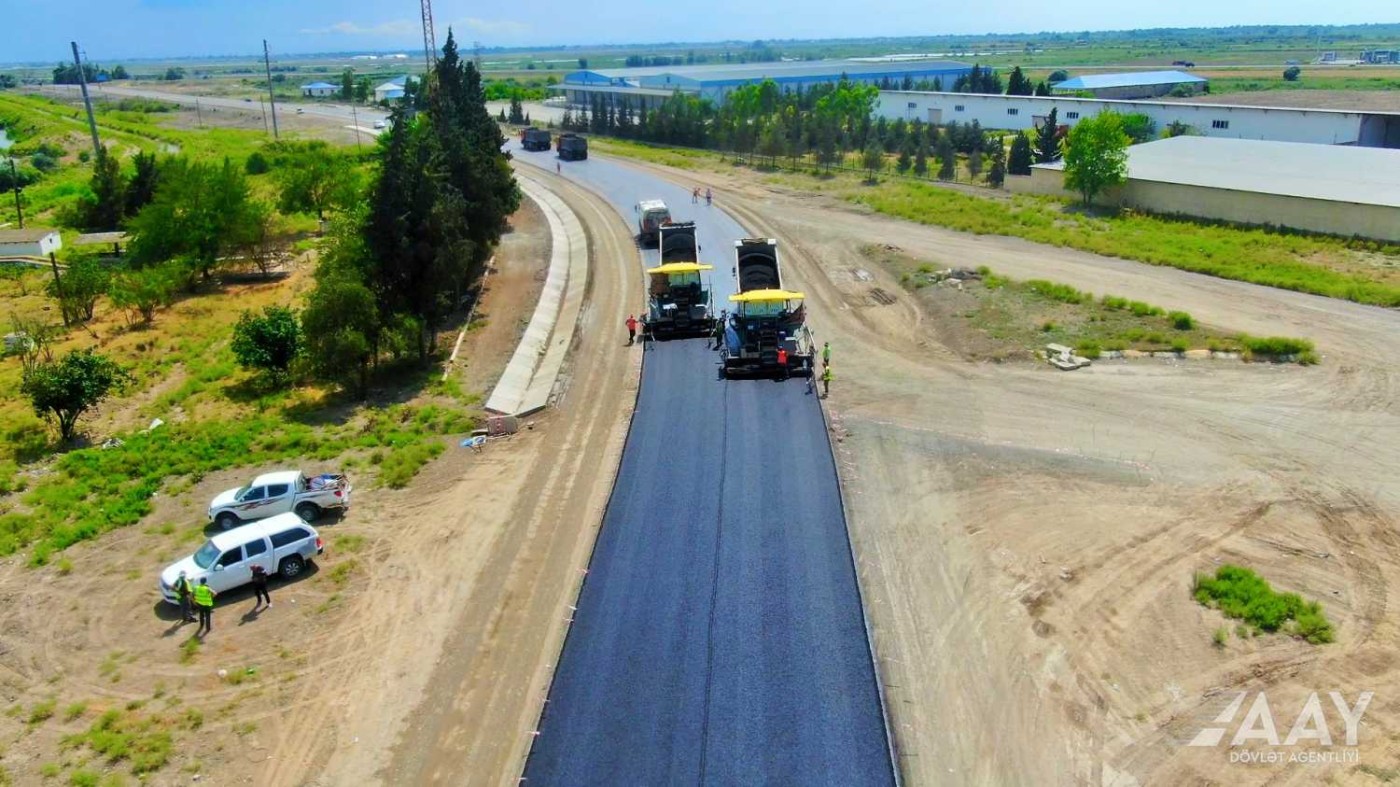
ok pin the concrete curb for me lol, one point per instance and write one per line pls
(529, 378)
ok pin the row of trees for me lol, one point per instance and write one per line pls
(393, 270)
(67, 73)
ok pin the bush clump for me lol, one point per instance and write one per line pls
(1275, 345)
(1240, 593)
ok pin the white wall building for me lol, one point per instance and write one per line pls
(1017, 113)
(320, 90)
(29, 243)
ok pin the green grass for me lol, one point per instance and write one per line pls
(1240, 593)
(142, 742)
(41, 712)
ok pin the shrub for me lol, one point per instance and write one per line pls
(1181, 321)
(1058, 292)
(268, 342)
(1140, 309)
(1277, 346)
(1292, 73)
(1089, 349)
(1180, 345)
(256, 163)
(1240, 593)
(1220, 637)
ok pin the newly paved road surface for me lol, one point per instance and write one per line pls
(718, 638)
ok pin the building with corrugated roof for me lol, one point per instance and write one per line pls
(1332, 189)
(320, 90)
(32, 242)
(651, 86)
(1137, 84)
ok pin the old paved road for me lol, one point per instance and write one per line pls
(718, 637)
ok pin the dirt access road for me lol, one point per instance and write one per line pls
(1026, 538)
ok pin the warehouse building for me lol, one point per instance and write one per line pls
(1021, 113)
(320, 90)
(652, 86)
(29, 243)
(1348, 191)
(1138, 84)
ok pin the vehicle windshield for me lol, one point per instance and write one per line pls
(241, 492)
(206, 555)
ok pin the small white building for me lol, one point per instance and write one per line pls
(393, 90)
(320, 90)
(29, 243)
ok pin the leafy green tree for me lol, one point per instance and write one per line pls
(141, 189)
(201, 212)
(947, 158)
(140, 292)
(1097, 155)
(906, 156)
(174, 74)
(921, 161)
(516, 116)
(974, 164)
(107, 207)
(1017, 84)
(78, 288)
(1057, 76)
(256, 163)
(312, 178)
(1292, 73)
(8, 81)
(119, 72)
(341, 324)
(62, 391)
(362, 90)
(996, 174)
(1139, 127)
(1047, 139)
(1178, 129)
(269, 342)
(347, 84)
(1042, 89)
(1021, 157)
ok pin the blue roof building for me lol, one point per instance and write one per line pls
(1138, 84)
(320, 89)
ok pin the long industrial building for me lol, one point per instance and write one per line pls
(653, 85)
(1281, 124)
(1319, 188)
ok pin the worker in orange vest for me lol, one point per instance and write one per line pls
(631, 329)
(782, 363)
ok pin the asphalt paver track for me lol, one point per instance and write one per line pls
(718, 638)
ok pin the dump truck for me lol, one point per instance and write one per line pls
(766, 318)
(572, 147)
(534, 139)
(756, 264)
(679, 300)
(651, 215)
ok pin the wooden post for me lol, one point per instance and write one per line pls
(58, 287)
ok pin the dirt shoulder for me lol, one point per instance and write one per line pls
(1026, 538)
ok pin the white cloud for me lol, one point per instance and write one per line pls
(396, 28)
(499, 27)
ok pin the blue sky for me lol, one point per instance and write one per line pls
(110, 30)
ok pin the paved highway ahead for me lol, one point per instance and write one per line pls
(718, 638)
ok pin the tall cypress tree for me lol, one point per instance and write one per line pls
(1021, 158)
(1017, 84)
(1047, 141)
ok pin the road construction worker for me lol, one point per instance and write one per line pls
(185, 591)
(260, 586)
(695, 195)
(204, 602)
(782, 363)
(709, 196)
(826, 354)
(631, 329)
(719, 329)
(826, 381)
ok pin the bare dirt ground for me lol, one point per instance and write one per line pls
(1026, 538)
(472, 566)
(1375, 100)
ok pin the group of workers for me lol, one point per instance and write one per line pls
(200, 598)
(695, 196)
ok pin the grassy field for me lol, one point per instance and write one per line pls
(1019, 317)
(1358, 270)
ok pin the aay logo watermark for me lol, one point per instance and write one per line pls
(1310, 726)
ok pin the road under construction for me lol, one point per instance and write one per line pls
(719, 636)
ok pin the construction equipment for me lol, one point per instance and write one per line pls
(572, 147)
(756, 264)
(763, 323)
(534, 139)
(651, 214)
(680, 301)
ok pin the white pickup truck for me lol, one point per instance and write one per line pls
(278, 493)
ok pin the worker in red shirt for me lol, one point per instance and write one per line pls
(782, 363)
(631, 329)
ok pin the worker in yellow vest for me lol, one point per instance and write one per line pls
(185, 591)
(204, 602)
(826, 381)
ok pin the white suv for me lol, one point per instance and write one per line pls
(282, 544)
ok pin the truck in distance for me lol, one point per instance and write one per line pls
(535, 139)
(651, 214)
(572, 147)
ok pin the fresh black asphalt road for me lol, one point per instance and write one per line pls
(718, 638)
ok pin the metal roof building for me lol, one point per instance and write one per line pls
(1333, 189)
(651, 85)
(1138, 84)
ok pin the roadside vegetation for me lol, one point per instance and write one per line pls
(210, 345)
(1018, 318)
(1242, 594)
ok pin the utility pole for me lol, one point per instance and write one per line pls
(14, 180)
(271, 100)
(262, 105)
(58, 287)
(355, 118)
(429, 39)
(87, 101)
(198, 114)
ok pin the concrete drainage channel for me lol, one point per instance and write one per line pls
(529, 378)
